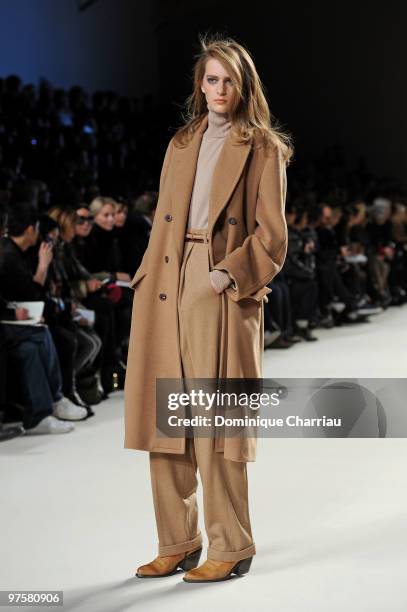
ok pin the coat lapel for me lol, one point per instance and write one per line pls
(227, 171)
(226, 174)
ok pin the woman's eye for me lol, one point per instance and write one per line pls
(213, 80)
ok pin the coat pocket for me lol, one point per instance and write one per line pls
(140, 274)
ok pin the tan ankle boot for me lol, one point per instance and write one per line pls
(166, 566)
(216, 571)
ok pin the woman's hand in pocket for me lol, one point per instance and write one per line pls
(220, 280)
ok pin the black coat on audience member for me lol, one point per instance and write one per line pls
(133, 240)
(100, 251)
(298, 265)
(16, 277)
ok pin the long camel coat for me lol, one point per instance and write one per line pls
(247, 238)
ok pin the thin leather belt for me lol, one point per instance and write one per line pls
(196, 236)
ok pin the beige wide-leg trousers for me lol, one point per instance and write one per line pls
(173, 476)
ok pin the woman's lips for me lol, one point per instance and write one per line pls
(220, 101)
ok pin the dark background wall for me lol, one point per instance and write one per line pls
(334, 72)
(110, 45)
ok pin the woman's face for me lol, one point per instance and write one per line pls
(120, 216)
(83, 228)
(218, 87)
(105, 217)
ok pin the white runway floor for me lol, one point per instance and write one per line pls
(329, 516)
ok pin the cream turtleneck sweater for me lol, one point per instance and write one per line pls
(212, 142)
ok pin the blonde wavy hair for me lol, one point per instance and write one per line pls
(99, 202)
(249, 113)
(65, 217)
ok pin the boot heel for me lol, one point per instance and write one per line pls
(242, 567)
(191, 560)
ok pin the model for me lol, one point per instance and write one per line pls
(219, 237)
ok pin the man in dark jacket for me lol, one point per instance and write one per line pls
(30, 348)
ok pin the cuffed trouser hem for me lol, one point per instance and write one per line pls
(175, 549)
(219, 555)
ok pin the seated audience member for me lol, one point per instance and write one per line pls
(352, 272)
(278, 315)
(101, 299)
(91, 293)
(299, 268)
(382, 248)
(334, 296)
(352, 260)
(100, 255)
(83, 227)
(30, 349)
(77, 342)
(278, 323)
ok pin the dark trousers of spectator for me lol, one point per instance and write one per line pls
(379, 270)
(331, 285)
(123, 320)
(76, 347)
(105, 327)
(34, 360)
(304, 298)
(89, 345)
(67, 345)
(278, 307)
(355, 279)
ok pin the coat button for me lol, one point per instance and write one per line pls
(163, 296)
(232, 221)
(168, 217)
(166, 259)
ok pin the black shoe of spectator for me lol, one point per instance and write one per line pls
(106, 379)
(327, 322)
(292, 338)
(398, 296)
(90, 411)
(10, 432)
(385, 300)
(305, 333)
(354, 317)
(89, 390)
(270, 337)
(280, 343)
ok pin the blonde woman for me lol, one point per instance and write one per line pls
(102, 254)
(219, 237)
